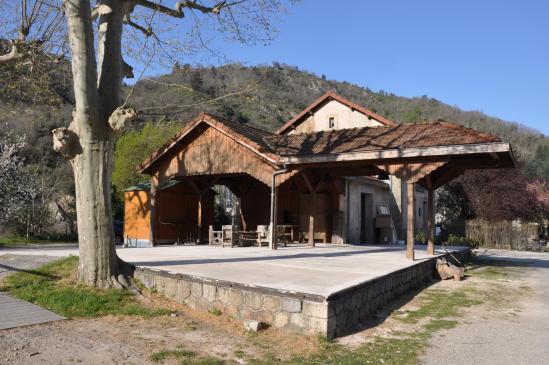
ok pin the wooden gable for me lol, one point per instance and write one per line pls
(209, 151)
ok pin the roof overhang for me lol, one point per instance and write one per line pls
(495, 150)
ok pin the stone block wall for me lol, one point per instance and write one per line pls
(338, 314)
(351, 307)
(291, 311)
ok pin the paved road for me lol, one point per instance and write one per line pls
(522, 339)
(15, 312)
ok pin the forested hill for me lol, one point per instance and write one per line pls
(278, 92)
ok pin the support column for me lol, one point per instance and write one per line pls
(199, 219)
(312, 213)
(430, 221)
(153, 201)
(410, 222)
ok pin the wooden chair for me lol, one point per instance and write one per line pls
(215, 237)
(262, 235)
(228, 236)
(247, 238)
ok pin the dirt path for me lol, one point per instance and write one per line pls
(500, 337)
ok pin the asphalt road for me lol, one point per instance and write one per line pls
(516, 340)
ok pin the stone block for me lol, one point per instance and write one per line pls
(222, 294)
(318, 325)
(271, 303)
(253, 300)
(196, 289)
(208, 292)
(245, 314)
(264, 316)
(291, 305)
(235, 297)
(281, 319)
(182, 290)
(314, 309)
(298, 320)
(170, 286)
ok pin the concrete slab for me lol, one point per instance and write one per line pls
(17, 313)
(323, 270)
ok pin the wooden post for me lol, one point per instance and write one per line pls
(199, 219)
(153, 195)
(312, 213)
(430, 219)
(410, 222)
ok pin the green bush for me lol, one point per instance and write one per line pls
(455, 240)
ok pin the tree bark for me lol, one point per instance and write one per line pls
(90, 139)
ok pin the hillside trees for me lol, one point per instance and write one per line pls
(117, 27)
(134, 147)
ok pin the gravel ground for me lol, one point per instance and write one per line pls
(496, 338)
(131, 340)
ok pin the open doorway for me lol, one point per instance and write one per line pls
(226, 207)
(366, 218)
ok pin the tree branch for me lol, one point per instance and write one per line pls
(189, 4)
(14, 54)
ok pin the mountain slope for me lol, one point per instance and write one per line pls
(276, 93)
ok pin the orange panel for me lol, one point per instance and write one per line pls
(137, 214)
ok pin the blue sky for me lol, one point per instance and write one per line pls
(491, 56)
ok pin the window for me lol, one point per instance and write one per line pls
(331, 122)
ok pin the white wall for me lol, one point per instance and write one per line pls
(344, 116)
(357, 186)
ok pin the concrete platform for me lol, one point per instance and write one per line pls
(323, 270)
(330, 289)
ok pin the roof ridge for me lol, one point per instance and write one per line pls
(221, 119)
(333, 95)
(486, 136)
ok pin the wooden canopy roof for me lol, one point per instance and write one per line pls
(437, 151)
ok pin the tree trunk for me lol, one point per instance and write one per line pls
(98, 260)
(88, 142)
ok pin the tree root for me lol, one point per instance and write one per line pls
(123, 279)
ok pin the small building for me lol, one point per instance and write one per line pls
(178, 219)
(337, 172)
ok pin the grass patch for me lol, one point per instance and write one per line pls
(185, 357)
(438, 304)
(54, 286)
(216, 312)
(15, 240)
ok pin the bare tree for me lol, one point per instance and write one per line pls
(98, 38)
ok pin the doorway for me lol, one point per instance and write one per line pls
(366, 218)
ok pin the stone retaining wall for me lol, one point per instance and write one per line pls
(336, 315)
(282, 309)
(350, 308)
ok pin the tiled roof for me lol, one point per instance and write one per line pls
(273, 146)
(330, 95)
(401, 136)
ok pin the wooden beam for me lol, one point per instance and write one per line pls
(312, 186)
(496, 147)
(430, 218)
(411, 172)
(410, 222)
(312, 213)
